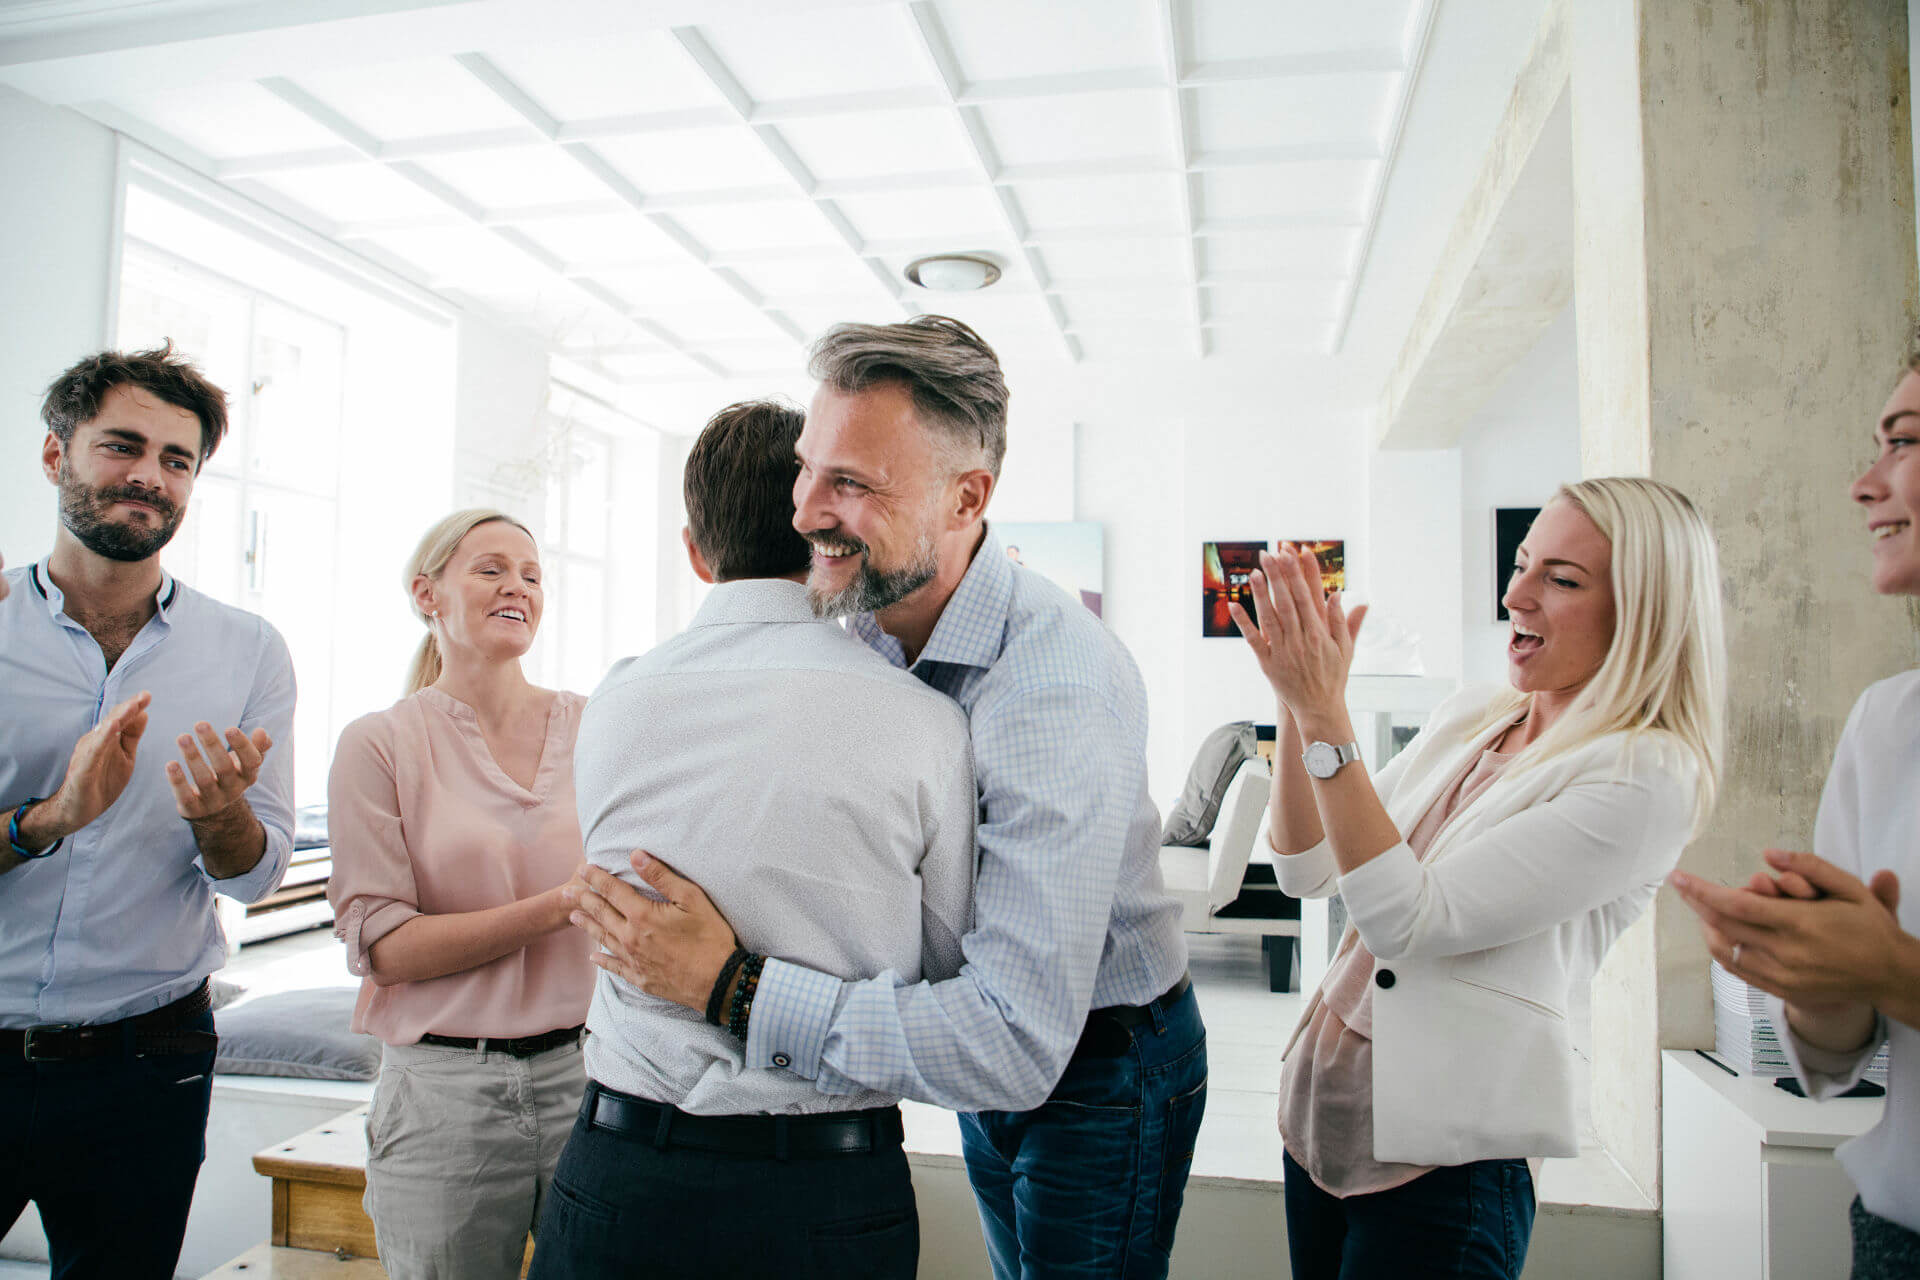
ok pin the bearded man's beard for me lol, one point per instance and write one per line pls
(84, 510)
(871, 589)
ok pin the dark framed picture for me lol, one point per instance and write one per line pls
(1225, 570)
(1510, 525)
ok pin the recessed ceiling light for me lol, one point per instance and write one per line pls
(953, 272)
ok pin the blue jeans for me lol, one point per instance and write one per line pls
(1090, 1183)
(1460, 1222)
(109, 1148)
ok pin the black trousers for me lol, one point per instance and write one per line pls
(621, 1206)
(109, 1149)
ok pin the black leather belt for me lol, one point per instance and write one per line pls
(146, 1035)
(1110, 1030)
(835, 1133)
(521, 1047)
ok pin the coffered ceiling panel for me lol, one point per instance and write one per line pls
(698, 200)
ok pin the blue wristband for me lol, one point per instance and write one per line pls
(13, 833)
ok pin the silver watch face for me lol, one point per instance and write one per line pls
(1322, 759)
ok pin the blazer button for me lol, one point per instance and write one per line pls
(1383, 979)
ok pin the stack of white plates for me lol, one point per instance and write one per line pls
(1745, 1037)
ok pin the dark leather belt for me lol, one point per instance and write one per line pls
(160, 1032)
(835, 1133)
(522, 1047)
(1110, 1030)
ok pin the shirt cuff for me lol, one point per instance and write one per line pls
(1825, 1073)
(251, 886)
(1307, 874)
(792, 1011)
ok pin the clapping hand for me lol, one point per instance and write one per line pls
(1810, 933)
(101, 766)
(216, 775)
(1304, 638)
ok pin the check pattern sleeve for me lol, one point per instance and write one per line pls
(1061, 774)
(270, 707)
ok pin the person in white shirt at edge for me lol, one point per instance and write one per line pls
(1071, 1041)
(826, 801)
(1829, 934)
(112, 857)
(1487, 868)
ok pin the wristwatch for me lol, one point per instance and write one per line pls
(1323, 759)
(13, 833)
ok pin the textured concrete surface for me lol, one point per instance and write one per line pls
(1745, 276)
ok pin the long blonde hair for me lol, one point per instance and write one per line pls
(1666, 666)
(429, 559)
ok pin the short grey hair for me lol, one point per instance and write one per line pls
(951, 372)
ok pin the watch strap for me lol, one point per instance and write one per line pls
(13, 833)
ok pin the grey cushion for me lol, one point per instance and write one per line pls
(296, 1033)
(1227, 748)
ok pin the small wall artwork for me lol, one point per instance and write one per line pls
(1069, 553)
(1332, 555)
(1510, 525)
(1225, 570)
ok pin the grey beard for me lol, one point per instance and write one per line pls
(873, 589)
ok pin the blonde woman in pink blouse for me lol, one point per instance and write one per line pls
(453, 828)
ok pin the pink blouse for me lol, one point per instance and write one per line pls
(1326, 1083)
(424, 821)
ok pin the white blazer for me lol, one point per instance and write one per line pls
(1476, 947)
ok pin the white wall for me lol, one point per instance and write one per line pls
(1522, 446)
(1415, 592)
(56, 241)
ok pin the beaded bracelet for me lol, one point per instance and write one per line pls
(718, 996)
(740, 1009)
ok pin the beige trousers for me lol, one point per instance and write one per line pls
(461, 1147)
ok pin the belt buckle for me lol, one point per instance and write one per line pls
(45, 1028)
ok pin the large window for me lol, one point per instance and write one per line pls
(262, 530)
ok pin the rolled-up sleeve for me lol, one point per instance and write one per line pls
(1593, 843)
(269, 706)
(371, 886)
(1060, 794)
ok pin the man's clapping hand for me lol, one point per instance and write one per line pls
(216, 775)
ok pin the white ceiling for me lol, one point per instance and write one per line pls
(702, 199)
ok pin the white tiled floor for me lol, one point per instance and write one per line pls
(1247, 1026)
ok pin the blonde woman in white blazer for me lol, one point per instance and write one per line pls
(1487, 869)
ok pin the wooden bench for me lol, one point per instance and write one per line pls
(319, 1227)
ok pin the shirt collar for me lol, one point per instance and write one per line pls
(56, 600)
(972, 629)
(750, 600)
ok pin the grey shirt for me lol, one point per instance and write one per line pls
(822, 798)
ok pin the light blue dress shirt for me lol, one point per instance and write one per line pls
(120, 919)
(1069, 909)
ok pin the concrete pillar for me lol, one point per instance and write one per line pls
(1744, 290)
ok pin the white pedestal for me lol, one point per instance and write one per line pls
(1751, 1184)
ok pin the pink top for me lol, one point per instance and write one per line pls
(423, 821)
(1326, 1083)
